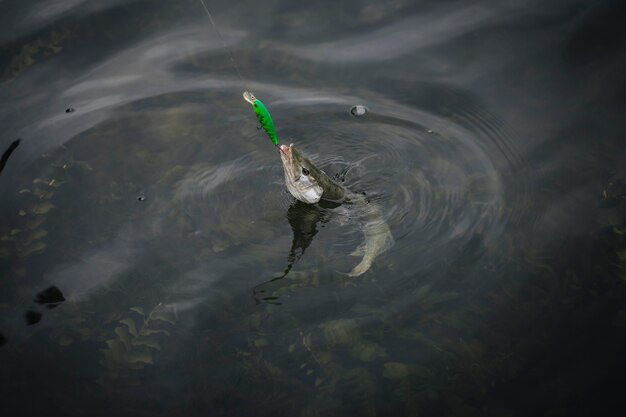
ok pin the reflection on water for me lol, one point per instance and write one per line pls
(153, 263)
(303, 219)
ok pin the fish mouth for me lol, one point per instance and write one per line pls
(286, 155)
(286, 151)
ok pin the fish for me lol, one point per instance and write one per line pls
(311, 185)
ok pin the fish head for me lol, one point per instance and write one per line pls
(302, 177)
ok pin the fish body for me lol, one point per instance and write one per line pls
(311, 185)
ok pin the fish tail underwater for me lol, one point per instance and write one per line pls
(436, 225)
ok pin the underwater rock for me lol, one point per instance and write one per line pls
(32, 317)
(52, 297)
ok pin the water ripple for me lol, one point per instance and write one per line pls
(396, 39)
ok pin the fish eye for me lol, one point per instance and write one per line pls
(305, 171)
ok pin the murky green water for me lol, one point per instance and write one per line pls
(145, 218)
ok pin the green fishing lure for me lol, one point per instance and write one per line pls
(263, 115)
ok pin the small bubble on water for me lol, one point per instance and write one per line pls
(69, 110)
(141, 198)
(358, 110)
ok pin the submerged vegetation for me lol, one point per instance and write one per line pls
(149, 256)
(135, 340)
(449, 350)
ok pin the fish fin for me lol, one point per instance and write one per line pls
(361, 268)
(359, 251)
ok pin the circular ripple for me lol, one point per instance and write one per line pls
(439, 181)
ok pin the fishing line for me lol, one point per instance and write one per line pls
(260, 110)
(264, 118)
(230, 52)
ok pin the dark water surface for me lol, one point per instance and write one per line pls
(144, 214)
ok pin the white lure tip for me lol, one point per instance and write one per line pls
(249, 97)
